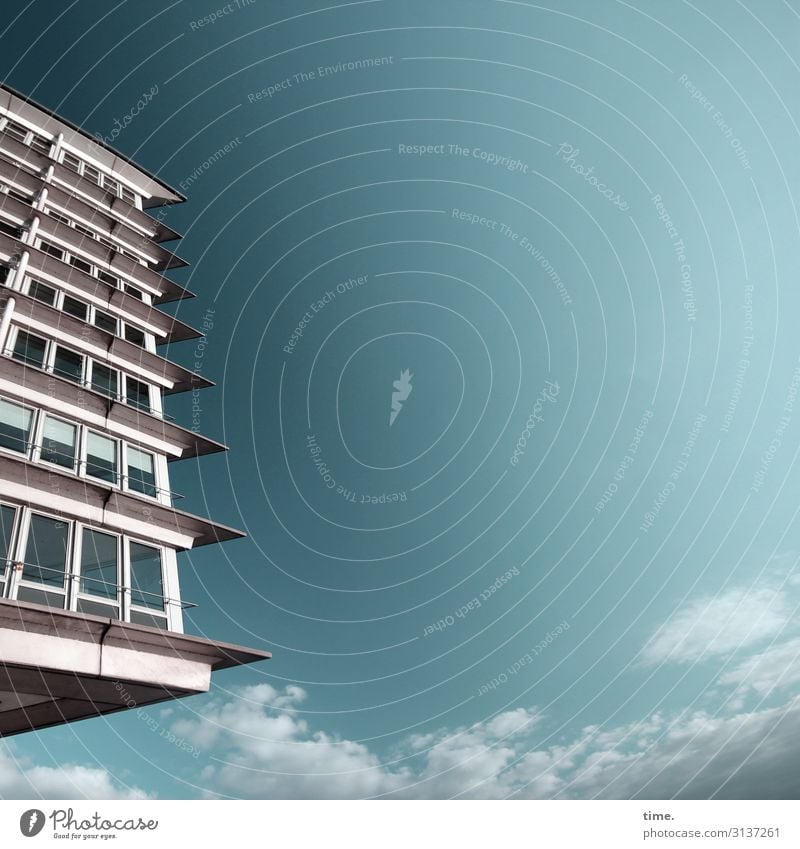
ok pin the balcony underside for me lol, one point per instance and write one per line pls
(57, 666)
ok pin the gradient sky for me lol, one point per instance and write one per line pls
(568, 567)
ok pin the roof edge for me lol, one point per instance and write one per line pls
(99, 141)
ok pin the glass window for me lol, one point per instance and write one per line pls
(80, 264)
(146, 582)
(137, 393)
(85, 230)
(133, 334)
(71, 161)
(68, 364)
(57, 216)
(111, 184)
(72, 306)
(7, 515)
(99, 566)
(29, 349)
(105, 321)
(4, 272)
(51, 250)
(41, 145)
(129, 196)
(101, 457)
(43, 293)
(15, 426)
(46, 551)
(105, 380)
(132, 290)
(91, 172)
(58, 442)
(107, 278)
(16, 131)
(10, 230)
(141, 471)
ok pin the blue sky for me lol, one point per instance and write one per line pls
(567, 568)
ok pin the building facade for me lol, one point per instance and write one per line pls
(90, 529)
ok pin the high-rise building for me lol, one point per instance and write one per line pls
(91, 615)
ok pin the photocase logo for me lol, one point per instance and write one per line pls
(403, 389)
(31, 822)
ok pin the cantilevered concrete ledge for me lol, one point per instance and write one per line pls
(57, 666)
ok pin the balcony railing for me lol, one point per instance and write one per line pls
(63, 587)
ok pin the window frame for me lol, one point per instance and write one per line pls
(6, 571)
(164, 612)
(77, 570)
(87, 432)
(32, 429)
(22, 547)
(38, 447)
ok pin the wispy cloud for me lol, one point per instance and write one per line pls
(769, 671)
(712, 626)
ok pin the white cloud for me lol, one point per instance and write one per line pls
(21, 779)
(719, 625)
(264, 752)
(766, 672)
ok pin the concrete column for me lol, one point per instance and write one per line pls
(5, 321)
(56, 149)
(18, 273)
(32, 230)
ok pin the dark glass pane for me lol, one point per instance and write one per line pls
(15, 426)
(146, 581)
(132, 290)
(31, 594)
(80, 264)
(138, 393)
(71, 161)
(105, 321)
(29, 349)
(101, 457)
(72, 306)
(68, 364)
(94, 608)
(51, 250)
(10, 230)
(57, 216)
(133, 334)
(104, 379)
(7, 515)
(108, 278)
(141, 471)
(46, 551)
(99, 569)
(16, 131)
(148, 619)
(43, 293)
(58, 443)
(41, 145)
